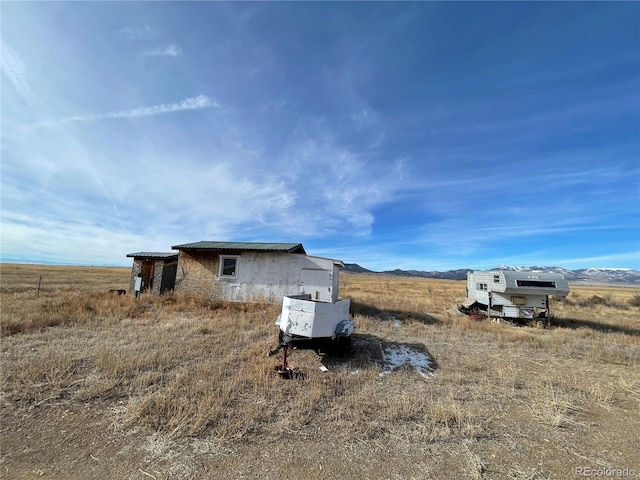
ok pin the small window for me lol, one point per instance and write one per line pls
(496, 279)
(535, 283)
(481, 286)
(228, 267)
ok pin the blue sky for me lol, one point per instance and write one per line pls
(427, 136)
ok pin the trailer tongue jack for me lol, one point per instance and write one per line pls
(284, 369)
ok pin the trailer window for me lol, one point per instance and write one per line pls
(496, 279)
(481, 286)
(535, 283)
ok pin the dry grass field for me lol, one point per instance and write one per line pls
(96, 385)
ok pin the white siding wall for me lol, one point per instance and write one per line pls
(483, 278)
(532, 300)
(511, 312)
(482, 297)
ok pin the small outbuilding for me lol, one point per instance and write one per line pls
(153, 271)
(246, 271)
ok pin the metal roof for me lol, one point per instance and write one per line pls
(523, 275)
(243, 246)
(153, 254)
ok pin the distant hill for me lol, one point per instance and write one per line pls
(620, 276)
(448, 275)
(355, 268)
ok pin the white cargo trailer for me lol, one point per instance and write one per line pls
(512, 294)
(303, 318)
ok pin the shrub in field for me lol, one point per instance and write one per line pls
(605, 300)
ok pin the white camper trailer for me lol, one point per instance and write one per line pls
(508, 294)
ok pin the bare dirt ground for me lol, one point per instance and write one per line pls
(110, 388)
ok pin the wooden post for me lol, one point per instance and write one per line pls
(39, 284)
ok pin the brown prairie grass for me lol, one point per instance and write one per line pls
(188, 369)
(16, 277)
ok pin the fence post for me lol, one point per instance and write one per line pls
(39, 284)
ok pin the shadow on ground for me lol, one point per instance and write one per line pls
(366, 351)
(358, 308)
(574, 323)
(364, 309)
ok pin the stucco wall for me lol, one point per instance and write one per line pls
(260, 275)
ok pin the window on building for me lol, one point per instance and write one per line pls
(229, 267)
(481, 286)
(496, 279)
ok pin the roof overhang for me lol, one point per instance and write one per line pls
(154, 255)
(242, 247)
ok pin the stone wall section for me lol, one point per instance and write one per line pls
(136, 270)
(157, 276)
(197, 274)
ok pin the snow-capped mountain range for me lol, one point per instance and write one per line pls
(619, 276)
(586, 275)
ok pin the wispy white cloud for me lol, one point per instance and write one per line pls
(192, 103)
(170, 51)
(457, 235)
(630, 258)
(63, 241)
(364, 117)
(13, 68)
(336, 186)
(138, 33)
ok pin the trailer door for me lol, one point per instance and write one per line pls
(317, 283)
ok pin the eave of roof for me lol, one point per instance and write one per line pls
(243, 246)
(153, 255)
